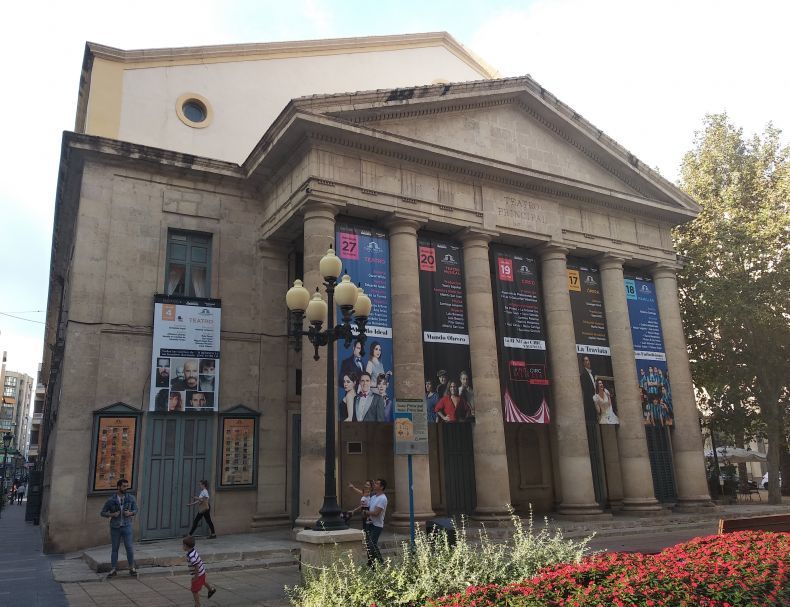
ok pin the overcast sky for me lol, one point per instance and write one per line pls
(646, 73)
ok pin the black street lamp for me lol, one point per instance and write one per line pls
(352, 302)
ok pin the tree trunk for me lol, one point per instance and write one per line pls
(772, 413)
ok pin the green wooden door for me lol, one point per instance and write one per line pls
(177, 455)
(459, 469)
(595, 446)
(659, 447)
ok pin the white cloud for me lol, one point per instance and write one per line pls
(646, 74)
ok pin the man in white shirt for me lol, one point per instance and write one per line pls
(377, 506)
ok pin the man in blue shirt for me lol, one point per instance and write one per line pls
(121, 508)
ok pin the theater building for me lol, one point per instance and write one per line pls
(519, 261)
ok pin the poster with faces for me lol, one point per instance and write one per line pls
(186, 355)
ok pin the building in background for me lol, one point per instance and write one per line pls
(518, 258)
(15, 417)
(36, 418)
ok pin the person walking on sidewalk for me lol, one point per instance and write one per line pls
(377, 506)
(121, 508)
(204, 509)
(197, 569)
(20, 492)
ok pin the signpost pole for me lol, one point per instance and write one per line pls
(411, 437)
(411, 504)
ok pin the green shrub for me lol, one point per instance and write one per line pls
(433, 568)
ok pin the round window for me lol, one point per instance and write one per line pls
(194, 110)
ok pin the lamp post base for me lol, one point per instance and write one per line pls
(331, 519)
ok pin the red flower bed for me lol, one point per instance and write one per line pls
(734, 570)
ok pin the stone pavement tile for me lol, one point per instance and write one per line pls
(74, 592)
(25, 572)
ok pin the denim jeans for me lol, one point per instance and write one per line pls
(372, 534)
(122, 533)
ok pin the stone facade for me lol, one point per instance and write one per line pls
(497, 161)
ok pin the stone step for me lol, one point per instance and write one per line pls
(209, 558)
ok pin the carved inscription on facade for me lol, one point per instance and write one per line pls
(516, 212)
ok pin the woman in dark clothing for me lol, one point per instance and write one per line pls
(204, 509)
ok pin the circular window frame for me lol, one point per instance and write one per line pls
(194, 98)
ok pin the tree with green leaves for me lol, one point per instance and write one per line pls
(735, 286)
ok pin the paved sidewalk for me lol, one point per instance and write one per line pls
(25, 573)
(245, 588)
(251, 570)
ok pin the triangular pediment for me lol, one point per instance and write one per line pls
(513, 123)
(119, 408)
(506, 133)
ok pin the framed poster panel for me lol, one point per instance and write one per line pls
(238, 453)
(115, 444)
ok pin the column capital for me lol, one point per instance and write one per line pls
(272, 247)
(476, 236)
(607, 261)
(319, 209)
(664, 270)
(397, 223)
(552, 251)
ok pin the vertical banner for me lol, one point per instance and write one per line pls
(592, 342)
(185, 359)
(365, 386)
(651, 360)
(445, 335)
(521, 337)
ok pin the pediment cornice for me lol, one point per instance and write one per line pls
(523, 92)
(327, 131)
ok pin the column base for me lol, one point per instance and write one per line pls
(640, 504)
(492, 513)
(319, 549)
(265, 520)
(400, 520)
(305, 522)
(581, 512)
(695, 505)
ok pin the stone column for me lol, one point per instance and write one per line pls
(491, 471)
(409, 372)
(319, 234)
(273, 393)
(687, 449)
(578, 495)
(638, 493)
